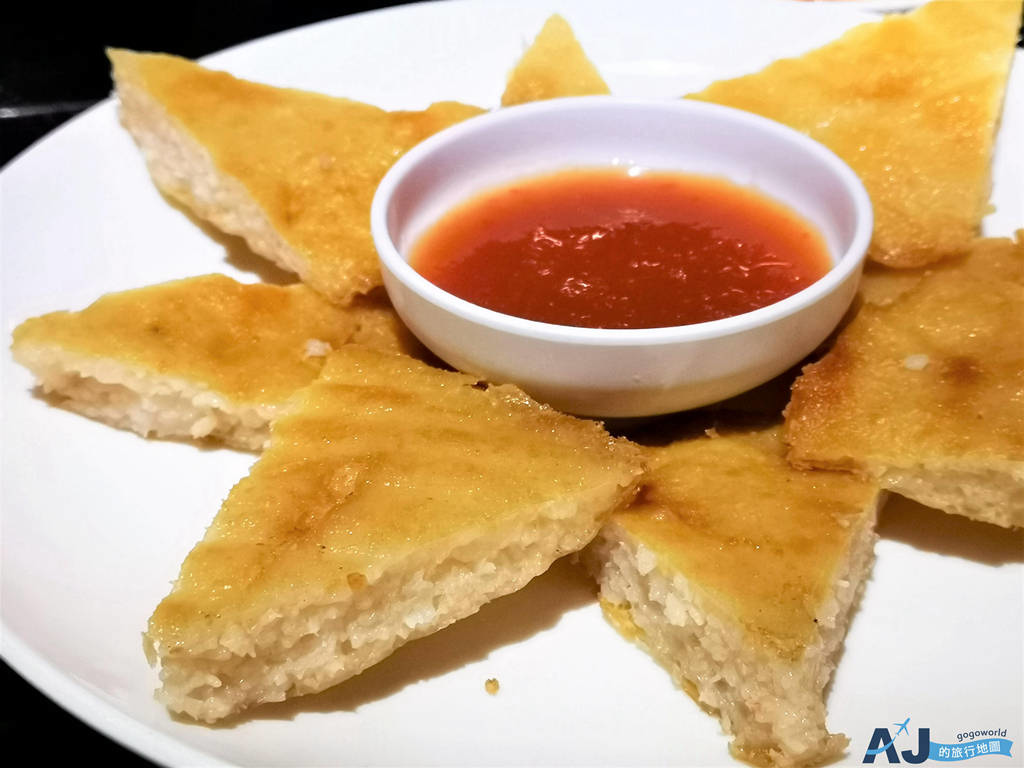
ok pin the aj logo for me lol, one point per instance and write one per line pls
(882, 741)
(973, 743)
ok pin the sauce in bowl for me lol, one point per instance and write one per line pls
(610, 248)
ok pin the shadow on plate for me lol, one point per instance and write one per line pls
(932, 530)
(237, 251)
(507, 620)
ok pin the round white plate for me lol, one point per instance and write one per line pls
(96, 522)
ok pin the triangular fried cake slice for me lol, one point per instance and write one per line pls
(926, 393)
(290, 171)
(986, 257)
(201, 357)
(554, 66)
(739, 573)
(912, 103)
(394, 499)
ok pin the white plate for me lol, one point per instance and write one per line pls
(879, 6)
(97, 521)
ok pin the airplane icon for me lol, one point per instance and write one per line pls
(903, 727)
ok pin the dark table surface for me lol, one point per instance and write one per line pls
(53, 68)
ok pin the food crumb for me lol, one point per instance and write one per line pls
(317, 348)
(916, 362)
(492, 686)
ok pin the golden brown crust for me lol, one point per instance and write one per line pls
(382, 458)
(929, 384)
(912, 104)
(310, 162)
(763, 540)
(554, 66)
(250, 343)
(985, 257)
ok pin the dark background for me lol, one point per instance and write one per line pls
(53, 68)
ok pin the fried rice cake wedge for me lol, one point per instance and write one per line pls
(926, 393)
(912, 103)
(554, 66)
(204, 357)
(292, 172)
(739, 574)
(984, 257)
(393, 500)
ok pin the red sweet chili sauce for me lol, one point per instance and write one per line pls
(601, 248)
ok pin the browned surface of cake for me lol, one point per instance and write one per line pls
(554, 66)
(201, 357)
(738, 572)
(926, 393)
(292, 172)
(985, 257)
(394, 498)
(911, 103)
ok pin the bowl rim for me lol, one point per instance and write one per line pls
(392, 261)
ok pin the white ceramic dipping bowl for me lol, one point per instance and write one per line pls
(615, 372)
